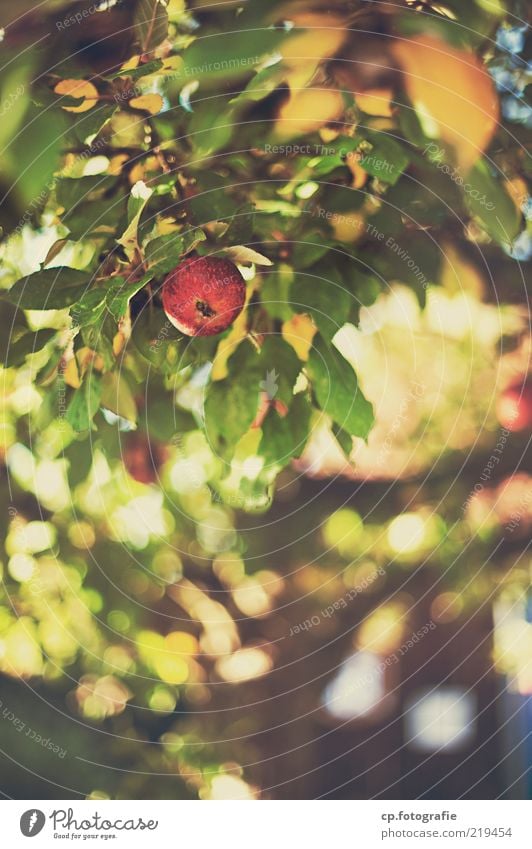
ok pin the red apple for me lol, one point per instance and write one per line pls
(514, 407)
(203, 295)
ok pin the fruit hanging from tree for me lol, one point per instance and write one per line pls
(203, 295)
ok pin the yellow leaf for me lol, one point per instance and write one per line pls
(299, 332)
(349, 227)
(78, 88)
(228, 345)
(452, 93)
(317, 37)
(172, 63)
(307, 110)
(152, 103)
(131, 64)
(118, 343)
(116, 163)
(460, 275)
(360, 176)
(376, 102)
(518, 191)
(71, 374)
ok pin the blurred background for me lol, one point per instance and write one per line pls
(369, 634)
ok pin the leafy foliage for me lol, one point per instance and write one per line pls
(199, 140)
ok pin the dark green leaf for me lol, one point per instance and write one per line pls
(387, 158)
(151, 24)
(285, 438)
(336, 388)
(50, 289)
(211, 126)
(275, 292)
(72, 192)
(95, 216)
(157, 339)
(212, 203)
(164, 252)
(231, 404)
(84, 403)
(228, 55)
(321, 293)
(89, 309)
(489, 201)
(117, 397)
(27, 344)
(344, 439)
(142, 70)
(120, 293)
(79, 456)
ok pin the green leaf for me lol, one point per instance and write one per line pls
(157, 340)
(49, 289)
(120, 293)
(89, 309)
(211, 126)
(14, 85)
(364, 289)
(488, 200)
(84, 403)
(139, 197)
(285, 438)
(227, 55)
(386, 160)
(117, 397)
(231, 404)
(212, 203)
(26, 345)
(262, 84)
(164, 252)
(322, 293)
(275, 292)
(95, 216)
(141, 71)
(344, 439)
(151, 24)
(336, 389)
(80, 458)
(312, 249)
(72, 191)
(240, 229)
(32, 156)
